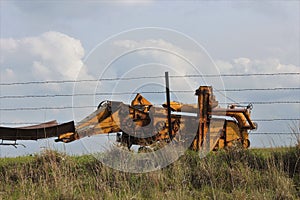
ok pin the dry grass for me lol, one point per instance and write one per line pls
(234, 174)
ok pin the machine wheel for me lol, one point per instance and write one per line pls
(246, 143)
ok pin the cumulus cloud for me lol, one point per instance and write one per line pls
(244, 65)
(177, 55)
(163, 52)
(49, 56)
(247, 65)
(52, 55)
(190, 59)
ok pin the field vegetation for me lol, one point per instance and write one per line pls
(227, 174)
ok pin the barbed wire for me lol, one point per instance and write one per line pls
(150, 77)
(156, 92)
(80, 94)
(76, 107)
(276, 119)
(45, 108)
(273, 133)
(151, 92)
(245, 74)
(141, 92)
(258, 89)
(251, 133)
(262, 102)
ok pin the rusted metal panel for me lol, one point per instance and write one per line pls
(42, 125)
(36, 132)
(205, 105)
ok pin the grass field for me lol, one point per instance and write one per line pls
(231, 174)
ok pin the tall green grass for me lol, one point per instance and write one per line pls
(231, 174)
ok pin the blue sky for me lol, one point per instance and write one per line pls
(52, 41)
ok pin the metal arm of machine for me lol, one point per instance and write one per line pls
(242, 115)
(44, 130)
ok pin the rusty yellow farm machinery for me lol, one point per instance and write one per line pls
(144, 124)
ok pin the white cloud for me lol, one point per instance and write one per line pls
(49, 56)
(9, 73)
(141, 51)
(180, 58)
(52, 55)
(264, 111)
(243, 61)
(39, 70)
(259, 66)
(159, 55)
(247, 65)
(9, 45)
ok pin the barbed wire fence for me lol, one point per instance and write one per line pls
(220, 91)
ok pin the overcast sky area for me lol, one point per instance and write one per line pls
(41, 41)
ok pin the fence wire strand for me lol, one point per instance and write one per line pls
(220, 91)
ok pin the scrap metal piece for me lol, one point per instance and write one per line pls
(40, 131)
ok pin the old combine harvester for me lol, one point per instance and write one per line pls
(146, 125)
